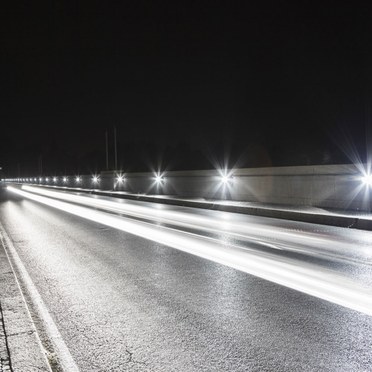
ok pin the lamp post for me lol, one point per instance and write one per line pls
(115, 149)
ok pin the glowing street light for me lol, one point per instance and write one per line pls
(367, 180)
(64, 179)
(95, 179)
(226, 177)
(77, 179)
(54, 179)
(159, 179)
(120, 178)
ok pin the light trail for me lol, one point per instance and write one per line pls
(303, 277)
(313, 244)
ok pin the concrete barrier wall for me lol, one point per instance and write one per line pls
(332, 186)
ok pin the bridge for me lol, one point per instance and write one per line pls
(228, 270)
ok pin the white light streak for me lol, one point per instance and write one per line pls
(311, 279)
(320, 245)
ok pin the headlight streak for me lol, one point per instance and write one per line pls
(305, 278)
(162, 216)
(254, 232)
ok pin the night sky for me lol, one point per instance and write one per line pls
(187, 84)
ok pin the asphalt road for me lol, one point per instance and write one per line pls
(132, 298)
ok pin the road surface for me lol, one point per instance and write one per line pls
(133, 286)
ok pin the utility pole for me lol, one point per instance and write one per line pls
(41, 164)
(116, 150)
(107, 158)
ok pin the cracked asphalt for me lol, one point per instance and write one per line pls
(125, 303)
(5, 363)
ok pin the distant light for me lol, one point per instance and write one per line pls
(35, 179)
(159, 179)
(40, 179)
(95, 179)
(54, 179)
(226, 178)
(47, 179)
(120, 178)
(367, 179)
(64, 179)
(77, 179)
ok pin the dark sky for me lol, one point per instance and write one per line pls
(271, 83)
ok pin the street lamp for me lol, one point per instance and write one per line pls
(226, 177)
(159, 179)
(367, 179)
(120, 178)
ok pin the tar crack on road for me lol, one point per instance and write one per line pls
(5, 363)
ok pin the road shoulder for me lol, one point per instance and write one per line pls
(19, 341)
